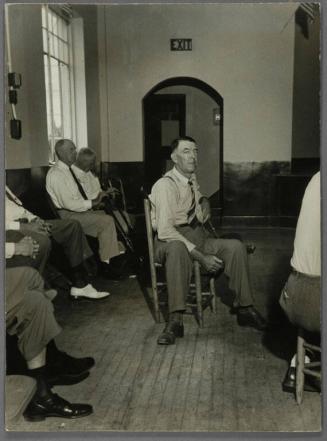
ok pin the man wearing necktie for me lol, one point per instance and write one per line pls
(72, 202)
(178, 215)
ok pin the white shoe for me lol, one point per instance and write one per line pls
(88, 292)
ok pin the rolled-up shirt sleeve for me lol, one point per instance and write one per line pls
(164, 200)
(9, 249)
(64, 194)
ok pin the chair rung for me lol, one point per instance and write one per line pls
(312, 364)
(312, 347)
(312, 373)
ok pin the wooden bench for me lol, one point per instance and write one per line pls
(19, 390)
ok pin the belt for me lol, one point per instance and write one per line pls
(297, 273)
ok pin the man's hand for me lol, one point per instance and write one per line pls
(112, 192)
(206, 210)
(97, 201)
(27, 247)
(209, 262)
(38, 225)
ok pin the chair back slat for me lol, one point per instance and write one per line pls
(149, 235)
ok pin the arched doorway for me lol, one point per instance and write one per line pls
(185, 106)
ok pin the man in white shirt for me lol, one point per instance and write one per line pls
(300, 298)
(72, 202)
(21, 223)
(83, 170)
(178, 214)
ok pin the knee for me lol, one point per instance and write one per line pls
(36, 302)
(44, 244)
(235, 247)
(74, 226)
(177, 249)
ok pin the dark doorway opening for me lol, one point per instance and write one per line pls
(166, 114)
(164, 120)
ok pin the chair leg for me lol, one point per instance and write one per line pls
(198, 291)
(213, 294)
(300, 356)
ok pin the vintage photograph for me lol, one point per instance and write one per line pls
(162, 217)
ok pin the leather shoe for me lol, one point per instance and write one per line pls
(68, 366)
(54, 406)
(88, 292)
(169, 334)
(249, 316)
(311, 384)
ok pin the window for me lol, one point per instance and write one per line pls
(59, 78)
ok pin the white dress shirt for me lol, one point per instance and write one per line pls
(90, 182)
(14, 211)
(171, 200)
(307, 244)
(63, 189)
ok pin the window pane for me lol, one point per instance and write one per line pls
(54, 24)
(51, 44)
(56, 99)
(44, 17)
(56, 47)
(66, 101)
(49, 20)
(45, 40)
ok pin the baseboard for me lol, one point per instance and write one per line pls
(258, 221)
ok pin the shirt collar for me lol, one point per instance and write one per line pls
(62, 165)
(183, 179)
(78, 170)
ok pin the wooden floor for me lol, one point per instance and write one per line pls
(220, 378)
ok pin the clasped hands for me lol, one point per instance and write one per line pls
(38, 225)
(27, 247)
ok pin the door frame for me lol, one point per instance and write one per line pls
(206, 88)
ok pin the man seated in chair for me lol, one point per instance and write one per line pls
(72, 202)
(67, 233)
(178, 214)
(83, 169)
(29, 315)
(300, 298)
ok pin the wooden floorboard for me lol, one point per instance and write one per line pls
(219, 378)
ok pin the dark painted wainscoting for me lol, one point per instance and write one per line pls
(258, 194)
(254, 193)
(262, 193)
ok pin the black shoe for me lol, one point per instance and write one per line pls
(65, 379)
(249, 316)
(68, 366)
(171, 331)
(54, 406)
(111, 273)
(311, 384)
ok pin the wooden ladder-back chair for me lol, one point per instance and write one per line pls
(312, 369)
(197, 300)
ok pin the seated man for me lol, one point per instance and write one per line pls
(300, 298)
(29, 315)
(178, 214)
(68, 233)
(82, 169)
(72, 203)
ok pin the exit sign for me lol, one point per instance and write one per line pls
(181, 44)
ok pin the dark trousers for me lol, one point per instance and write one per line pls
(178, 265)
(300, 300)
(67, 233)
(29, 313)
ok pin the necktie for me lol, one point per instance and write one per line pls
(191, 212)
(79, 185)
